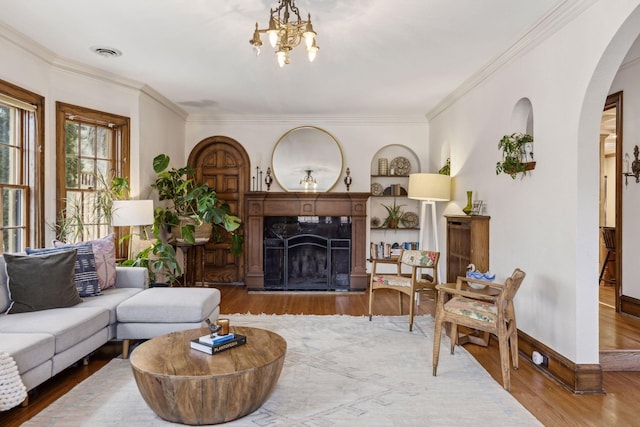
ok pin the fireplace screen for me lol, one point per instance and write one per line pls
(307, 253)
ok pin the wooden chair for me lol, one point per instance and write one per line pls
(460, 305)
(404, 283)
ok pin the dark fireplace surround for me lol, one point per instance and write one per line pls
(330, 208)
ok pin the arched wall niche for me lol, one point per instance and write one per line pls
(522, 117)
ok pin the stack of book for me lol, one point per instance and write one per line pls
(213, 344)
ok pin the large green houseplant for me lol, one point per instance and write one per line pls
(196, 202)
(514, 154)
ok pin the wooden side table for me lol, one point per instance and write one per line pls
(189, 252)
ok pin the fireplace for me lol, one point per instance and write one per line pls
(307, 253)
(306, 241)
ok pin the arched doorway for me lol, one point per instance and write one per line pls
(588, 157)
(224, 165)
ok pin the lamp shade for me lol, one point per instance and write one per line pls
(132, 212)
(430, 186)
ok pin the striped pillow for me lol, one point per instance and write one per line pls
(86, 275)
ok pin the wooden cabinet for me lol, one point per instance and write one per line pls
(467, 243)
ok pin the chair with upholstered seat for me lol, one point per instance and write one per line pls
(405, 283)
(495, 314)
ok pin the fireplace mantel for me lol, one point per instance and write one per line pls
(265, 204)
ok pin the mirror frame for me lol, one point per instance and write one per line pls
(317, 151)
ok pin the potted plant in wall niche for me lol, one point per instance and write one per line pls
(394, 214)
(517, 154)
(191, 205)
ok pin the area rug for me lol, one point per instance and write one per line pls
(338, 371)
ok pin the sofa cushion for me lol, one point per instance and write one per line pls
(86, 275)
(40, 282)
(4, 287)
(169, 305)
(110, 299)
(69, 326)
(28, 350)
(104, 252)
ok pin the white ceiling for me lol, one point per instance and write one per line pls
(377, 57)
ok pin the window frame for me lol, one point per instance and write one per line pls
(120, 164)
(31, 163)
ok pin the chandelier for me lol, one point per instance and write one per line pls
(284, 35)
(308, 181)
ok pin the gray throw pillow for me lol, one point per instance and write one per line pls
(85, 270)
(40, 282)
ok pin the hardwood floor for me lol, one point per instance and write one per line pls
(550, 402)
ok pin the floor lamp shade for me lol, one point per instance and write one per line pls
(430, 186)
(132, 212)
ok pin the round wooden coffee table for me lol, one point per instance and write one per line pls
(187, 386)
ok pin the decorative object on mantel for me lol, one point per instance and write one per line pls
(256, 181)
(517, 154)
(285, 35)
(347, 179)
(469, 208)
(268, 179)
(635, 167)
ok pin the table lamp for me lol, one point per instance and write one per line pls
(130, 213)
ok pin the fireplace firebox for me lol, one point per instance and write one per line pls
(307, 253)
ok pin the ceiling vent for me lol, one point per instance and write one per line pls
(107, 52)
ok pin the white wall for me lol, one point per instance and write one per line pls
(628, 81)
(31, 67)
(547, 222)
(359, 137)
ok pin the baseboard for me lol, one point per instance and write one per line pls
(620, 360)
(630, 305)
(578, 378)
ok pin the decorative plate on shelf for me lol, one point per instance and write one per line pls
(400, 166)
(410, 220)
(377, 189)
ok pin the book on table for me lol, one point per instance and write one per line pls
(212, 339)
(235, 341)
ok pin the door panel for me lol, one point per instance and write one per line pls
(224, 165)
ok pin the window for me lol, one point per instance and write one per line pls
(21, 160)
(92, 149)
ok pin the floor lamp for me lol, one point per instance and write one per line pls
(130, 213)
(429, 188)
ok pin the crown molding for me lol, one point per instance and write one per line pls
(248, 120)
(57, 63)
(555, 19)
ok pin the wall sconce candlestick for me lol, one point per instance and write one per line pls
(268, 179)
(635, 168)
(347, 179)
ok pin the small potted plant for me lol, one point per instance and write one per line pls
(394, 214)
(517, 152)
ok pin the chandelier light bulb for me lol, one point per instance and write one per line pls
(281, 54)
(312, 51)
(309, 35)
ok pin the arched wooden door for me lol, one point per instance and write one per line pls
(224, 165)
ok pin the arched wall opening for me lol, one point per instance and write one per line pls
(588, 168)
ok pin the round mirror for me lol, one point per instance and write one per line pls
(307, 158)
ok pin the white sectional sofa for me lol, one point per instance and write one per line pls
(45, 342)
